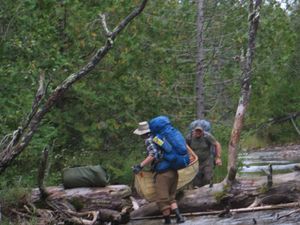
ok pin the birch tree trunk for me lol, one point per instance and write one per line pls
(13, 144)
(200, 61)
(246, 62)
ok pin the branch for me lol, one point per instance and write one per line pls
(107, 32)
(280, 119)
(103, 20)
(10, 22)
(42, 173)
(269, 176)
(80, 220)
(10, 140)
(40, 92)
(9, 153)
(130, 17)
(295, 125)
(288, 214)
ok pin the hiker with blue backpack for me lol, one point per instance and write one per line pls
(166, 153)
(207, 148)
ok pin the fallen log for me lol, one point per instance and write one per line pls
(241, 210)
(114, 197)
(241, 194)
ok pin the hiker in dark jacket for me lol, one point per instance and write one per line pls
(165, 182)
(208, 150)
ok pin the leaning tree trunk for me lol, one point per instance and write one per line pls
(12, 145)
(254, 8)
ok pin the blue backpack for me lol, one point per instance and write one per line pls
(175, 154)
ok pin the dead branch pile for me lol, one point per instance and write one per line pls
(85, 206)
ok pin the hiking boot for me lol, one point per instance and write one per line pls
(167, 220)
(179, 217)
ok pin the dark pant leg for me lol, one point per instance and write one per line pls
(204, 174)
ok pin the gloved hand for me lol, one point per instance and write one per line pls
(137, 168)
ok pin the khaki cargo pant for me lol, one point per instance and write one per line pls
(165, 187)
(204, 174)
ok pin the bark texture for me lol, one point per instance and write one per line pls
(254, 9)
(86, 206)
(200, 61)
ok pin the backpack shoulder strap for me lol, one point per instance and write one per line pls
(210, 144)
(157, 140)
(163, 143)
(206, 138)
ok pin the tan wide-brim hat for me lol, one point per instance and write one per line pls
(143, 128)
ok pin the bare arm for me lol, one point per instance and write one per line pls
(218, 160)
(147, 161)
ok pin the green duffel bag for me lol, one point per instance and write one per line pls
(85, 176)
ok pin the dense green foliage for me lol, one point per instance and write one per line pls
(150, 71)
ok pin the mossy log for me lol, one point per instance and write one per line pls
(243, 192)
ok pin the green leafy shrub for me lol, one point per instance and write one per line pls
(13, 197)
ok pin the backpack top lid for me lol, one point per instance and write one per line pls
(200, 123)
(158, 123)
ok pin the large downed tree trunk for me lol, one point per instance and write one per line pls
(244, 192)
(13, 144)
(114, 197)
